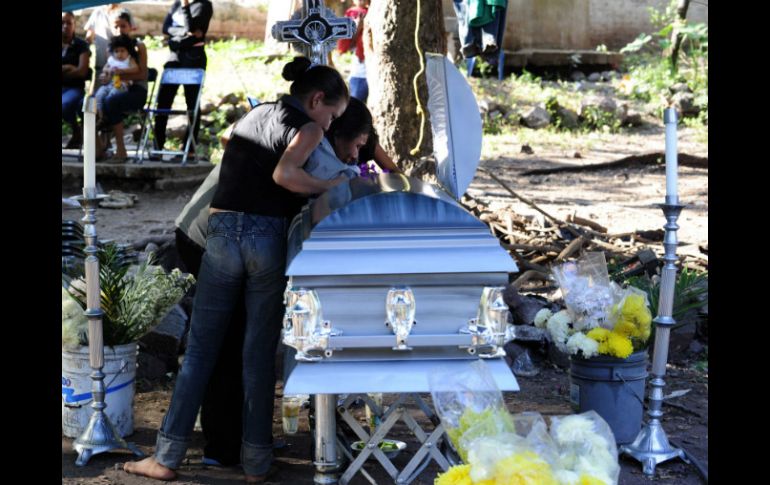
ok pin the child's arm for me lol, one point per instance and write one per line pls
(133, 68)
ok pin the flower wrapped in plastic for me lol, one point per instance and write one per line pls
(587, 290)
(470, 405)
(587, 450)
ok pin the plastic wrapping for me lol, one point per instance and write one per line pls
(470, 405)
(587, 449)
(587, 290)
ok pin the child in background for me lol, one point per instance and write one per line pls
(121, 61)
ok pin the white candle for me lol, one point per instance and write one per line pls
(671, 162)
(89, 148)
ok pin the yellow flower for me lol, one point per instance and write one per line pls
(618, 346)
(626, 328)
(645, 327)
(633, 305)
(600, 334)
(456, 475)
(590, 480)
(525, 468)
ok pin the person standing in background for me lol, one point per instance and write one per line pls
(99, 32)
(359, 87)
(185, 25)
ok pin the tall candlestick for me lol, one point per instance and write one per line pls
(89, 145)
(669, 117)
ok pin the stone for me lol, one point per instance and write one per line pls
(627, 116)
(208, 107)
(605, 103)
(536, 117)
(577, 76)
(529, 333)
(232, 98)
(594, 77)
(568, 119)
(685, 104)
(679, 88)
(606, 76)
(167, 338)
(576, 154)
(234, 113)
(527, 149)
(523, 307)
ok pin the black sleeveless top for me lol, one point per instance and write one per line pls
(257, 143)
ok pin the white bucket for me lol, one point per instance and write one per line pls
(76, 385)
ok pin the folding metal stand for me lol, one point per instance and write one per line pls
(429, 447)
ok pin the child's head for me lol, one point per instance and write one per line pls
(122, 22)
(320, 89)
(121, 47)
(352, 131)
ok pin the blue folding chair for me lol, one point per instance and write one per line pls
(174, 75)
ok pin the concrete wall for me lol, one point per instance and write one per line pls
(531, 24)
(239, 18)
(578, 24)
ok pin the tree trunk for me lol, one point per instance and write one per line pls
(676, 41)
(391, 63)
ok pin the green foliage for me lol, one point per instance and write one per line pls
(690, 292)
(594, 117)
(154, 42)
(132, 302)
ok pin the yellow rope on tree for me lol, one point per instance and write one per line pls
(420, 110)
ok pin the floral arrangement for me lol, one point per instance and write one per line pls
(133, 300)
(498, 448)
(601, 318)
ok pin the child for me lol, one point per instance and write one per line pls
(121, 61)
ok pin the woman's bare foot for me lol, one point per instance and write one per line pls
(149, 468)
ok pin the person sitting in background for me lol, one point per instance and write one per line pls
(74, 71)
(359, 86)
(117, 106)
(120, 63)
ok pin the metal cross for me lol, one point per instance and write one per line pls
(316, 31)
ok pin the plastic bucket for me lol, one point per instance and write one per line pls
(612, 387)
(76, 385)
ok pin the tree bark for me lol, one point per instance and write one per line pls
(391, 63)
(676, 41)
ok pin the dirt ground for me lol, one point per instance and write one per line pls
(620, 199)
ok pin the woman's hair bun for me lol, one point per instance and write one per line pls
(294, 69)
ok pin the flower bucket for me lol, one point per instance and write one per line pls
(76, 385)
(612, 387)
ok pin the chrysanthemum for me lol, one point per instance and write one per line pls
(600, 334)
(456, 475)
(525, 468)
(580, 342)
(626, 328)
(542, 317)
(619, 346)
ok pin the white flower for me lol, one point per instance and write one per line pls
(558, 327)
(542, 317)
(486, 451)
(566, 477)
(579, 342)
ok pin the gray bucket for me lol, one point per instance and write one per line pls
(612, 387)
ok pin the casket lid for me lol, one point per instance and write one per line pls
(455, 122)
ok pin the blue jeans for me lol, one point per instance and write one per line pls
(243, 252)
(71, 103)
(359, 88)
(115, 107)
(486, 39)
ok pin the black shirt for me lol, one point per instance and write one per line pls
(181, 20)
(257, 143)
(71, 55)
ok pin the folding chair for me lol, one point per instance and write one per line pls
(183, 76)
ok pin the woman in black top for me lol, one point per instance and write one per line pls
(74, 70)
(261, 187)
(185, 25)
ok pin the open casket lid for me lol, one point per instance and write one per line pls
(455, 122)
